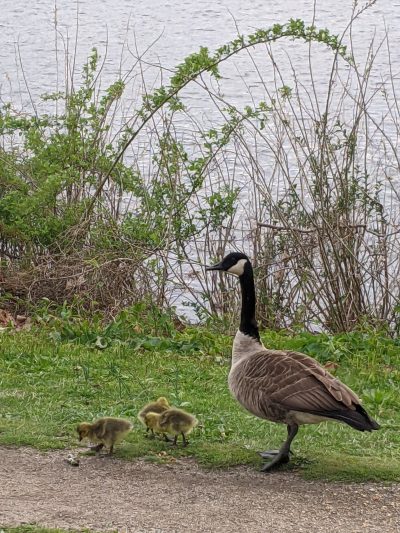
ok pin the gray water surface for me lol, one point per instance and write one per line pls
(33, 33)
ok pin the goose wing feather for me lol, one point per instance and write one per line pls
(296, 382)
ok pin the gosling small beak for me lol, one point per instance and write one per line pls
(218, 266)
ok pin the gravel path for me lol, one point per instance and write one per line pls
(103, 494)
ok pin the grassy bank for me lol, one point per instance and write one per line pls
(48, 384)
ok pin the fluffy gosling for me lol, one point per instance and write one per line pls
(172, 421)
(105, 432)
(158, 406)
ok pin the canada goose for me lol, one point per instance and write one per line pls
(159, 406)
(283, 386)
(104, 431)
(173, 421)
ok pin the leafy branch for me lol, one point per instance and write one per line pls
(198, 63)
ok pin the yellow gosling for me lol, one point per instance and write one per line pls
(105, 432)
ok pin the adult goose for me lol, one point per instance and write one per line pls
(283, 386)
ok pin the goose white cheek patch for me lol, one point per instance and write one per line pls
(238, 268)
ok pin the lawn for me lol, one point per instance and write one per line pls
(52, 378)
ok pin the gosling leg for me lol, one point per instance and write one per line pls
(111, 449)
(283, 456)
(185, 442)
(152, 435)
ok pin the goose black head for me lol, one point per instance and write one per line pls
(233, 263)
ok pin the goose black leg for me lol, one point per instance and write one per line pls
(282, 456)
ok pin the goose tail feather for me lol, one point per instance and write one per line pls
(358, 419)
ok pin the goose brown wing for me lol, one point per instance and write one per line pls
(297, 382)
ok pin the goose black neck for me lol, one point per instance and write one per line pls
(248, 323)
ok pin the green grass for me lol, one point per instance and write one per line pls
(48, 385)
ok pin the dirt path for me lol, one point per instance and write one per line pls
(104, 494)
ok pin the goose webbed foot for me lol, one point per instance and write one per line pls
(270, 454)
(278, 460)
(96, 448)
(282, 456)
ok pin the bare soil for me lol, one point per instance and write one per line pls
(108, 494)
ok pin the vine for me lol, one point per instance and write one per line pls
(197, 63)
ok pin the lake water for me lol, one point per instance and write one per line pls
(34, 36)
(174, 28)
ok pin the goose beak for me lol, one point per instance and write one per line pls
(218, 266)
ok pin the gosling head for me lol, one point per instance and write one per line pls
(163, 402)
(83, 430)
(233, 263)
